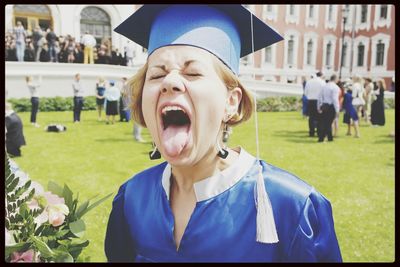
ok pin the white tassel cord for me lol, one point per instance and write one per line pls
(266, 229)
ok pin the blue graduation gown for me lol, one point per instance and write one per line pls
(222, 227)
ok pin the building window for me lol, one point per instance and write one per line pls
(311, 12)
(330, 12)
(360, 55)
(383, 12)
(268, 55)
(269, 8)
(291, 10)
(344, 55)
(380, 53)
(364, 13)
(309, 52)
(290, 58)
(97, 22)
(32, 16)
(328, 54)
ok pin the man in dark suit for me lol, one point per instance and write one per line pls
(14, 132)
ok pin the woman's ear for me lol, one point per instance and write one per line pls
(232, 102)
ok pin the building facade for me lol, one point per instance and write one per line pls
(313, 36)
(313, 40)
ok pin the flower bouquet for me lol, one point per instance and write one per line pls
(42, 226)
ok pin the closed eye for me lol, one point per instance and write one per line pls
(155, 77)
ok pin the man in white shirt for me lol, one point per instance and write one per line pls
(89, 42)
(328, 106)
(311, 91)
(129, 53)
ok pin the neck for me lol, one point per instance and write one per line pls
(184, 177)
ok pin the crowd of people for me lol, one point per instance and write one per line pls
(45, 46)
(359, 99)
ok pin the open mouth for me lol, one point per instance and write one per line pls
(174, 116)
(175, 129)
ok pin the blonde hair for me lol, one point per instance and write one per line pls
(382, 81)
(246, 105)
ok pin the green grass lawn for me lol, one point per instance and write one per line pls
(356, 175)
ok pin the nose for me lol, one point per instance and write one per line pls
(172, 83)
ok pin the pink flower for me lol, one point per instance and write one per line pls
(27, 256)
(53, 199)
(56, 216)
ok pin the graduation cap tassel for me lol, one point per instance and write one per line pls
(266, 229)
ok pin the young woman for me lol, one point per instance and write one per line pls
(208, 202)
(378, 105)
(100, 89)
(350, 116)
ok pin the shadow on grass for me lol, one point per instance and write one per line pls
(384, 139)
(296, 136)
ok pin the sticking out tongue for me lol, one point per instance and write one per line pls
(175, 139)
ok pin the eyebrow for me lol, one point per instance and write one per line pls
(185, 65)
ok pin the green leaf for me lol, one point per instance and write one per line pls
(67, 195)
(42, 247)
(78, 242)
(16, 247)
(81, 209)
(55, 188)
(62, 256)
(12, 186)
(98, 202)
(78, 228)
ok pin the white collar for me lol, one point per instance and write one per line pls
(218, 183)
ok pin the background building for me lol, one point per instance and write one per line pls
(313, 36)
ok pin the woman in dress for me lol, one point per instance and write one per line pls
(100, 89)
(208, 202)
(378, 105)
(350, 116)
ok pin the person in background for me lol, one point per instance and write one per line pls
(78, 53)
(112, 95)
(378, 105)
(89, 42)
(32, 86)
(328, 106)
(124, 102)
(350, 116)
(44, 53)
(304, 99)
(78, 91)
(37, 36)
(129, 53)
(20, 35)
(100, 89)
(14, 132)
(51, 38)
(312, 91)
(369, 87)
(358, 92)
(335, 123)
(29, 54)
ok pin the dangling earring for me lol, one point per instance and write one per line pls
(222, 153)
(225, 133)
(155, 154)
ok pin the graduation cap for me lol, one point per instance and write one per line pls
(227, 31)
